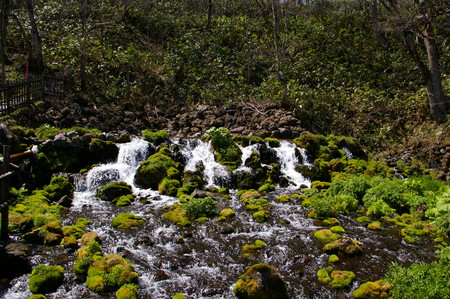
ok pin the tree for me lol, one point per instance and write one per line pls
(419, 21)
(4, 11)
(35, 37)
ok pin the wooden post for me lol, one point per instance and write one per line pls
(4, 193)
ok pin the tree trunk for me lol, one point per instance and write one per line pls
(35, 37)
(83, 58)
(376, 27)
(436, 97)
(275, 6)
(4, 10)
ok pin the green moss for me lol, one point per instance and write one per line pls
(45, 279)
(363, 219)
(345, 246)
(261, 216)
(266, 188)
(177, 214)
(333, 258)
(128, 291)
(153, 170)
(341, 279)
(82, 223)
(156, 138)
(320, 185)
(248, 249)
(126, 220)
(201, 207)
(73, 231)
(114, 190)
(124, 200)
(178, 296)
(38, 296)
(284, 198)
(377, 289)
(69, 242)
(90, 236)
(226, 214)
(374, 225)
(273, 142)
(337, 229)
(326, 235)
(251, 286)
(248, 196)
(58, 188)
(169, 187)
(102, 150)
(323, 276)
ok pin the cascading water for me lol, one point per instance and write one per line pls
(287, 156)
(200, 154)
(205, 260)
(246, 152)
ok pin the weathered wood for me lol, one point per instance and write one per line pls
(4, 195)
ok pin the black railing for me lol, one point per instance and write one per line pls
(16, 93)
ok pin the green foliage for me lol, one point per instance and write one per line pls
(355, 186)
(201, 207)
(156, 138)
(421, 280)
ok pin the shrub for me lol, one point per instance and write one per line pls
(200, 207)
(355, 186)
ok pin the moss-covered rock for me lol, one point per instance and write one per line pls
(45, 279)
(126, 220)
(82, 223)
(326, 236)
(266, 188)
(323, 276)
(156, 138)
(177, 214)
(59, 187)
(345, 246)
(178, 296)
(337, 229)
(372, 290)
(124, 200)
(249, 249)
(153, 170)
(73, 231)
(333, 258)
(169, 187)
(260, 281)
(90, 236)
(37, 296)
(128, 291)
(103, 151)
(226, 214)
(374, 225)
(69, 242)
(261, 216)
(113, 190)
(341, 279)
(284, 198)
(110, 273)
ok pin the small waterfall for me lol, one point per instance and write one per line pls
(246, 152)
(130, 156)
(348, 153)
(200, 153)
(286, 154)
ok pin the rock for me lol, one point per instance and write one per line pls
(14, 260)
(326, 236)
(126, 220)
(160, 275)
(113, 190)
(260, 281)
(45, 279)
(345, 246)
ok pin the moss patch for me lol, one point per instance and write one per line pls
(126, 220)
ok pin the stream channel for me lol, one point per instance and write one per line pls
(205, 259)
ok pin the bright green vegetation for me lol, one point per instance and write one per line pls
(58, 188)
(201, 207)
(128, 291)
(45, 279)
(226, 150)
(421, 280)
(156, 138)
(126, 220)
(152, 171)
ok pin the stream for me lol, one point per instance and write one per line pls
(205, 260)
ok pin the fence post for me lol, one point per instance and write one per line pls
(4, 193)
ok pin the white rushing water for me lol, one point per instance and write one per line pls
(200, 154)
(287, 156)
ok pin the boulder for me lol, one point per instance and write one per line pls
(260, 281)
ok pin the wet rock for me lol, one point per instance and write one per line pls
(14, 260)
(260, 281)
(345, 246)
(160, 275)
(65, 201)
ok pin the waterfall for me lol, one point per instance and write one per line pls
(286, 154)
(128, 160)
(200, 154)
(348, 153)
(246, 152)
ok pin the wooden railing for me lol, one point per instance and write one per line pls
(19, 92)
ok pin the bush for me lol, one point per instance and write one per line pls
(355, 186)
(201, 207)
(421, 280)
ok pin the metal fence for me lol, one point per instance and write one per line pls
(19, 92)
